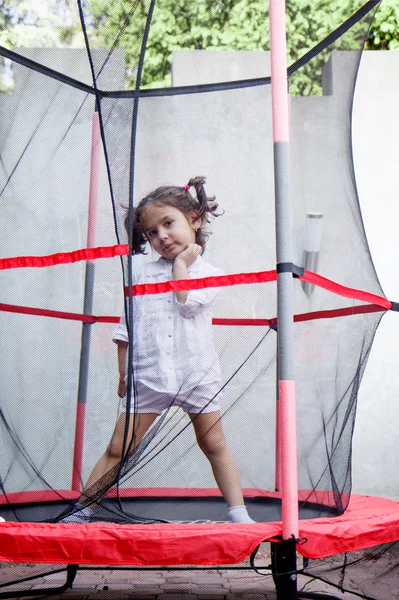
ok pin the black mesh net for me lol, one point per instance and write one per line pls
(209, 115)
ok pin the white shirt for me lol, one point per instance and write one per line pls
(173, 348)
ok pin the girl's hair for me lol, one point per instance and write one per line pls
(180, 198)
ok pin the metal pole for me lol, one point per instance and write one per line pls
(284, 560)
(87, 307)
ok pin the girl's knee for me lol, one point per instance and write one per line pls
(209, 433)
(115, 447)
(212, 445)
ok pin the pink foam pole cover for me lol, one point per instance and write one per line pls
(280, 101)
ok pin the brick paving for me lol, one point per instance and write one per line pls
(146, 584)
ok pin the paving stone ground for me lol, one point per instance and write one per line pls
(145, 584)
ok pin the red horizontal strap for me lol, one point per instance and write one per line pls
(321, 314)
(310, 316)
(64, 257)
(337, 312)
(244, 322)
(342, 290)
(257, 277)
(200, 283)
(44, 312)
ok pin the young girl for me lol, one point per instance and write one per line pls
(174, 358)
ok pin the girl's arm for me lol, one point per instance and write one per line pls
(180, 271)
(122, 352)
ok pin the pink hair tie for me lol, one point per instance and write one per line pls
(187, 187)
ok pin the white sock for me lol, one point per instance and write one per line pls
(239, 514)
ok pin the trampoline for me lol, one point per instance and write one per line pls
(78, 151)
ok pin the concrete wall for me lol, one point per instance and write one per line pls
(376, 155)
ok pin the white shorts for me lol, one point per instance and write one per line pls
(201, 399)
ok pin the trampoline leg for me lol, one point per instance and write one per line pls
(284, 569)
(71, 574)
(71, 571)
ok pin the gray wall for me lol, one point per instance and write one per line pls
(376, 155)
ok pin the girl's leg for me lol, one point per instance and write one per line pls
(112, 455)
(210, 437)
(109, 461)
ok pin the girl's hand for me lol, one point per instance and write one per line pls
(122, 388)
(189, 255)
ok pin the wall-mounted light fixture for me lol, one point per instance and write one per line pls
(311, 246)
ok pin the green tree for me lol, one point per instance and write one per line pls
(193, 24)
(33, 23)
(36, 24)
(384, 32)
(219, 24)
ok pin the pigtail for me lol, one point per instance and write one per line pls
(205, 204)
(139, 241)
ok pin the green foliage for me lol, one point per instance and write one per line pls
(184, 24)
(307, 27)
(223, 25)
(36, 24)
(194, 24)
(384, 32)
(30, 23)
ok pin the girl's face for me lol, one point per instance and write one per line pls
(168, 230)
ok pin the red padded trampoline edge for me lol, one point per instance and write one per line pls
(136, 545)
(368, 521)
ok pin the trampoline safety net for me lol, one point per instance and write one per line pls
(83, 139)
